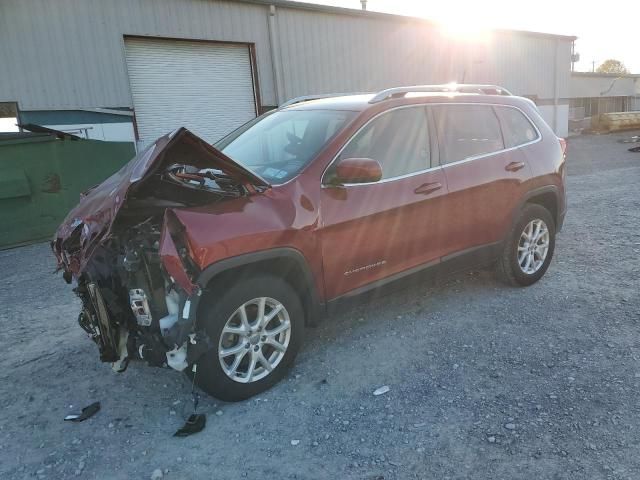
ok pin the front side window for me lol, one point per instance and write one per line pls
(466, 131)
(516, 127)
(280, 144)
(398, 140)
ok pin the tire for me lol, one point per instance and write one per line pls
(219, 314)
(509, 268)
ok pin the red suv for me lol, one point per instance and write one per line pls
(212, 260)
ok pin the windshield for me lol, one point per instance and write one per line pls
(279, 145)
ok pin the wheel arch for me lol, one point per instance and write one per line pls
(285, 262)
(547, 197)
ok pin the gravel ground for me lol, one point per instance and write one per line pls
(485, 381)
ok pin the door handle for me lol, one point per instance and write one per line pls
(427, 188)
(514, 166)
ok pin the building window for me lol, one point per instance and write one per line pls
(9, 117)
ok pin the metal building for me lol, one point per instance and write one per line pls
(134, 69)
(593, 93)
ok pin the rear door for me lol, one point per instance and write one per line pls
(375, 230)
(484, 175)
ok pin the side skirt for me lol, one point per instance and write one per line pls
(475, 257)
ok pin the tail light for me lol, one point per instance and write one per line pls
(563, 145)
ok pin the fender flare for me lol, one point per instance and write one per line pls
(246, 259)
(534, 193)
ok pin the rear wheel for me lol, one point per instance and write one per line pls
(529, 247)
(257, 327)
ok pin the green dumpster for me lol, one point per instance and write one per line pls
(41, 177)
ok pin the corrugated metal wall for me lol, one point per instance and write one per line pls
(324, 52)
(67, 54)
(584, 85)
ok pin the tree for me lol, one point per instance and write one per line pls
(612, 66)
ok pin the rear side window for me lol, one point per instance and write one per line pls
(398, 140)
(466, 131)
(517, 128)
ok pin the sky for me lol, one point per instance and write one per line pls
(604, 29)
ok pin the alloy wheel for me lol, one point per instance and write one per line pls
(533, 246)
(254, 340)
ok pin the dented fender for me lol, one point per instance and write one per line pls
(172, 261)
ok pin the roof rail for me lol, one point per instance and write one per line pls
(450, 87)
(307, 98)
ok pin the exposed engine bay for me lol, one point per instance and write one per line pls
(110, 245)
(130, 306)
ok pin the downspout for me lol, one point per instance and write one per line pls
(556, 86)
(276, 59)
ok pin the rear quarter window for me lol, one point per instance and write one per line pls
(516, 127)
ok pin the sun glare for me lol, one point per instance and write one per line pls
(462, 26)
(464, 29)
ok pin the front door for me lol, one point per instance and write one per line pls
(374, 230)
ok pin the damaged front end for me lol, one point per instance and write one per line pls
(125, 251)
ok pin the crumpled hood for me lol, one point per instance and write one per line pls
(89, 223)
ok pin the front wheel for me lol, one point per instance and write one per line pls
(529, 247)
(257, 327)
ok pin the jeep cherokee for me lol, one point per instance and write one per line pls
(213, 259)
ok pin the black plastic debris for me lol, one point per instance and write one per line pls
(87, 412)
(195, 423)
(634, 149)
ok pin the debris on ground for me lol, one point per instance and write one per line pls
(381, 391)
(194, 424)
(87, 412)
(157, 474)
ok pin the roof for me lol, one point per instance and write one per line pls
(606, 75)
(341, 102)
(385, 16)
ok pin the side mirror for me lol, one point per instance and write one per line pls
(358, 170)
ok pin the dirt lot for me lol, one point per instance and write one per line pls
(485, 381)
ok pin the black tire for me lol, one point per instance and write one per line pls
(508, 267)
(215, 312)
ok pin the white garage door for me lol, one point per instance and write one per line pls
(205, 87)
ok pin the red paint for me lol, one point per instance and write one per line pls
(93, 218)
(172, 263)
(356, 234)
(362, 170)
